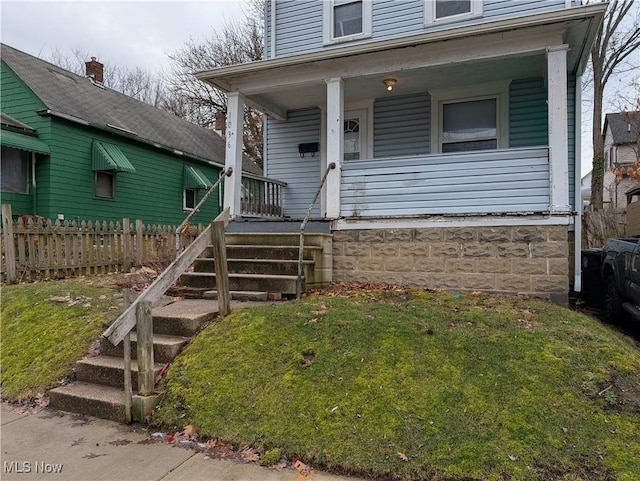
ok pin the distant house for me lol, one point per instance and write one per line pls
(452, 126)
(585, 189)
(74, 149)
(621, 143)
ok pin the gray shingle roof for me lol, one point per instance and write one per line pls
(619, 124)
(67, 93)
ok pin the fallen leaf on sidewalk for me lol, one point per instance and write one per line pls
(190, 432)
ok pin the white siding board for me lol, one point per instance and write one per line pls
(514, 180)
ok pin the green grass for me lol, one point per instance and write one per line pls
(476, 388)
(42, 338)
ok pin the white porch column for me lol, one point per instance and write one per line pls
(335, 136)
(233, 152)
(558, 128)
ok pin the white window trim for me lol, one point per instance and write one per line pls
(328, 9)
(497, 90)
(430, 13)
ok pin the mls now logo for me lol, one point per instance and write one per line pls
(29, 467)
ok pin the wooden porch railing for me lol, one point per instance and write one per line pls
(261, 196)
(138, 313)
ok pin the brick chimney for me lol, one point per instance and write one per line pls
(95, 70)
(221, 122)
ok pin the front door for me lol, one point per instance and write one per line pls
(355, 135)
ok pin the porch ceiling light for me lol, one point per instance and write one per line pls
(389, 83)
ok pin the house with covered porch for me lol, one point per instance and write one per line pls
(453, 127)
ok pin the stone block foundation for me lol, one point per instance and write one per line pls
(531, 260)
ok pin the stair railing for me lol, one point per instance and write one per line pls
(138, 313)
(196, 209)
(330, 167)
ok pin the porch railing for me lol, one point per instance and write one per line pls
(138, 313)
(329, 168)
(485, 182)
(196, 209)
(261, 196)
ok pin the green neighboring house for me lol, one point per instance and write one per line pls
(74, 149)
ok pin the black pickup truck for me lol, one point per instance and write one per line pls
(620, 273)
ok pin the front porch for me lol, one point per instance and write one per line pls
(403, 142)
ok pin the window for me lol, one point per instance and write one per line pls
(190, 199)
(451, 10)
(104, 184)
(346, 20)
(470, 119)
(14, 172)
(471, 125)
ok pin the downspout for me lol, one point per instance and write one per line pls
(577, 281)
(272, 30)
(34, 190)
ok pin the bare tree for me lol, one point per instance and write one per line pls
(138, 83)
(237, 42)
(613, 46)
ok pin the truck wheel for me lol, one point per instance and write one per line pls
(612, 300)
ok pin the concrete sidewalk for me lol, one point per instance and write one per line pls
(54, 445)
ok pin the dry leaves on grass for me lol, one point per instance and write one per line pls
(403, 456)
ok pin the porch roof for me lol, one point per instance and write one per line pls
(286, 83)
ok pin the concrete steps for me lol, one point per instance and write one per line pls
(98, 390)
(262, 262)
(96, 400)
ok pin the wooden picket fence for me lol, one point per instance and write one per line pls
(34, 249)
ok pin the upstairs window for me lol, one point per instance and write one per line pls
(451, 10)
(346, 20)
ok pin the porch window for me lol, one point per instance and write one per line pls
(470, 118)
(346, 20)
(104, 184)
(469, 125)
(451, 10)
(14, 172)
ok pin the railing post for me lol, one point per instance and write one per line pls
(144, 334)
(9, 246)
(222, 273)
(127, 364)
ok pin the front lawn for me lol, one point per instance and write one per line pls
(415, 385)
(46, 327)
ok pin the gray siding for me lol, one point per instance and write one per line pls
(502, 181)
(284, 163)
(300, 22)
(401, 125)
(528, 113)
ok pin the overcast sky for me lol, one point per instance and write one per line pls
(119, 33)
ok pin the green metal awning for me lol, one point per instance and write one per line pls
(23, 142)
(110, 157)
(195, 179)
